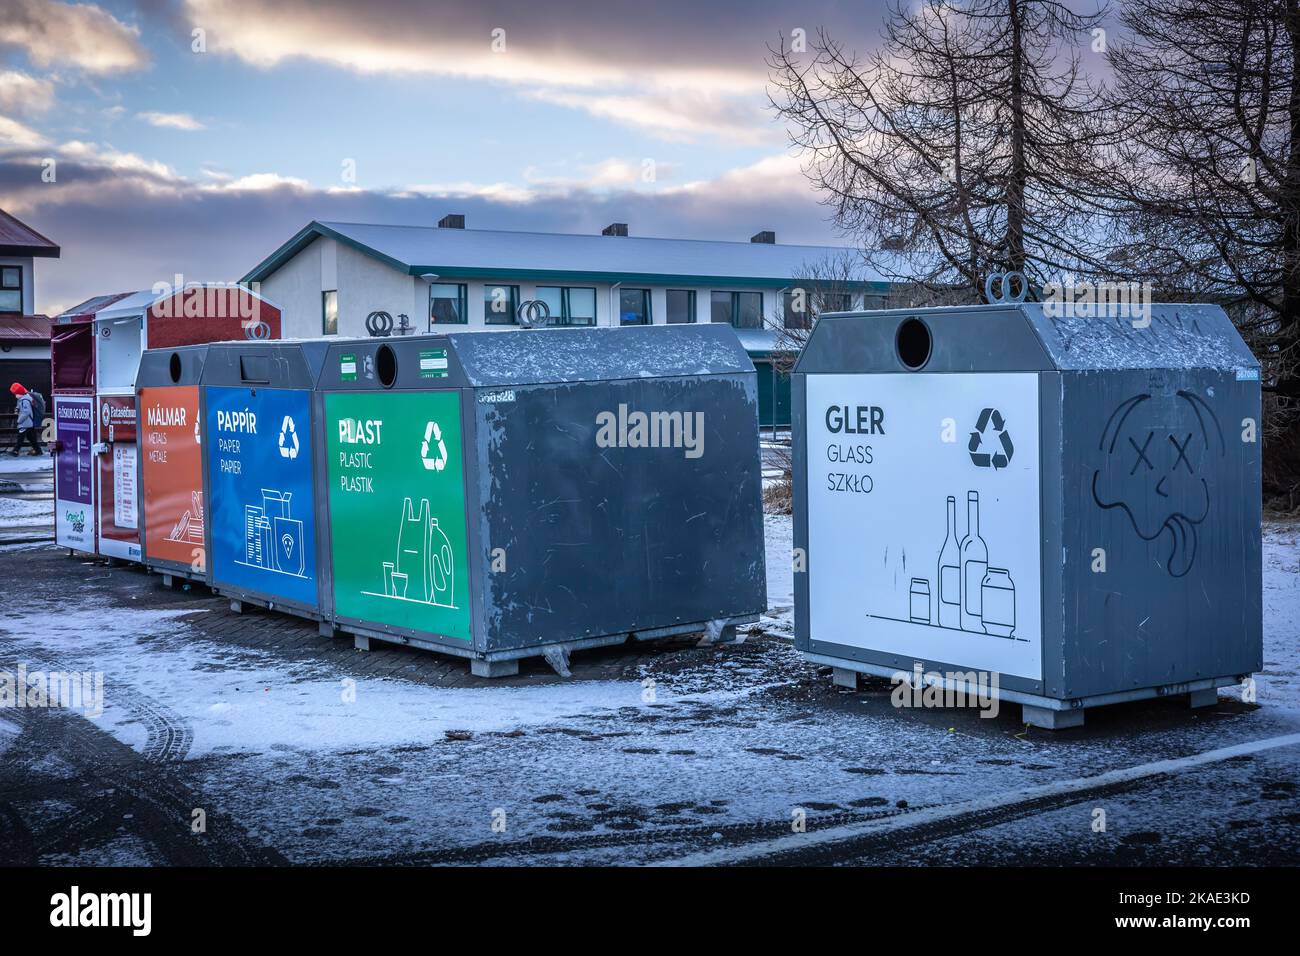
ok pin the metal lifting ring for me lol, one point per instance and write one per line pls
(379, 324)
(533, 313)
(1006, 282)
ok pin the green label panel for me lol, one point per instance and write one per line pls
(397, 510)
(433, 363)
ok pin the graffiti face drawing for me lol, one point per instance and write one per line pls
(1156, 461)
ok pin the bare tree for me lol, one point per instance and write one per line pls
(963, 147)
(1209, 93)
(829, 284)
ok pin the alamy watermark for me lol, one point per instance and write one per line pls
(633, 429)
(179, 299)
(922, 688)
(73, 690)
(1128, 300)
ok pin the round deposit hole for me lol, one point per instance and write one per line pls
(386, 365)
(913, 343)
(174, 367)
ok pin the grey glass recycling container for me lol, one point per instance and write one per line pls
(1068, 504)
(173, 533)
(260, 465)
(498, 495)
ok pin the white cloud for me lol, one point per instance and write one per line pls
(674, 115)
(259, 182)
(639, 71)
(183, 121)
(82, 35)
(15, 135)
(22, 93)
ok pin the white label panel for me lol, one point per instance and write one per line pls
(901, 468)
(124, 486)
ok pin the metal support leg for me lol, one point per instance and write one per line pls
(843, 677)
(236, 607)
(360, 643)
(1050, 719)
(480, 668)
(1206, 697)
(326, 629)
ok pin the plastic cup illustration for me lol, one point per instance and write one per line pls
(399, 584)
(998, 595)
(388, 578)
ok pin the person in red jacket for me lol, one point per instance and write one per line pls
(26, 421)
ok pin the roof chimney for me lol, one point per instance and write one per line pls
(767, 236)
(453, 220)
(615, 229)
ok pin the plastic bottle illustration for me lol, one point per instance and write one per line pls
(443, 574)
(948, 579)
(974, 563)
(998, 602)
(423, 570)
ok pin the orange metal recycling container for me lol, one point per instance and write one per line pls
(171, 471)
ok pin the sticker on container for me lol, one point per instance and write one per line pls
(171, 475)
(1248, 375)
(263, 498)
(348, 367)
(923, 542)
(74, 473)
(397, 510)
(433, 363)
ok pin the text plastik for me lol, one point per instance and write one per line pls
(855, 419)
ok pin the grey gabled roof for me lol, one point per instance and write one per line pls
(486, 253)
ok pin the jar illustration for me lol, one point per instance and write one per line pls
(998, 597)
(919, 595)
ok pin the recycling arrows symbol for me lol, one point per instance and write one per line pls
(432, 433)
(288, 439)
(999, 458)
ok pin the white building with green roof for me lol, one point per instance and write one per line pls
(331, 276)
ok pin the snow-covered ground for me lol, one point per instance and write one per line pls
(321, 760)
(20, 512)
(25, 463)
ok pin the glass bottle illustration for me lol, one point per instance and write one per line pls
(948, 605)
(974, 563)
(998, 603)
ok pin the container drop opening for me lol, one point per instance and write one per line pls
(913, 343)
(174, 367)
(386, 366)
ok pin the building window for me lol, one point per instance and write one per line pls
(834, 302)
(329, 313)
(797, 310)
(743, 310)
(500, 304)
(569, 306)
(802, 305)
(634, 307)
(446, 304)
(681, 306)
(11, 289)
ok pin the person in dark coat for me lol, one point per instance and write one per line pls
(26, 421)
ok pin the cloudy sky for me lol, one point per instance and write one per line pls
(194, 136)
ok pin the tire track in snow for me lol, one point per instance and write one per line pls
(839, 843)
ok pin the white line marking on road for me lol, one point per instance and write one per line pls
(832, 835)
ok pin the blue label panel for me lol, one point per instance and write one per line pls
(262, 511)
